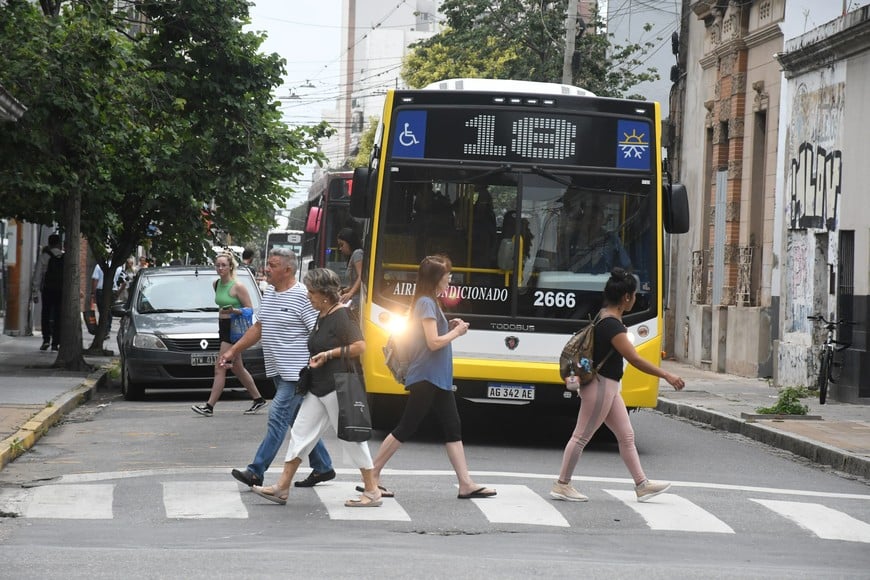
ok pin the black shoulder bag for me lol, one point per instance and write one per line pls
(354, 418)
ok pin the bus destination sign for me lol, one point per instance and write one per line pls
(522, 136)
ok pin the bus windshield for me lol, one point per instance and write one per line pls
(524, 243)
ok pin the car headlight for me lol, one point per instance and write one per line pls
(148, 341)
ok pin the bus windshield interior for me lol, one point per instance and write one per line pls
(536, 245)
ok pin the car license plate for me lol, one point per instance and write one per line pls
(203, 360)
(522, 392)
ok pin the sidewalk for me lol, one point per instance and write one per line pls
(833, 434)
(34, 396)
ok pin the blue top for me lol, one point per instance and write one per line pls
(435, 366)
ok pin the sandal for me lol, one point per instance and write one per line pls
(270, 493)
(367, 499)
(384, 491)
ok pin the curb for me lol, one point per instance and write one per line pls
(807, 448)
(37, 426)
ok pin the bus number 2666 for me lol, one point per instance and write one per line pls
(557, 299)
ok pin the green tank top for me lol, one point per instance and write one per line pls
(222, 295)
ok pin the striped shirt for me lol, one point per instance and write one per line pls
(286, 320)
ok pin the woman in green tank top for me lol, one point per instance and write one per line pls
(230, 297)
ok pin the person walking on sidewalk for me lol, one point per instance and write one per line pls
(429, 381)
(48, 281)
(336, 341)
(601, 401)
(231, 297)
(285, 319)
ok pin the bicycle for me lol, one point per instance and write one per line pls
(829, 348)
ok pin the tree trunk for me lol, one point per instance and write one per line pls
(69, 356)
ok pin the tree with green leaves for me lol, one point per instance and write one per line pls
(135, 136)
(366, 141)
(524, 40)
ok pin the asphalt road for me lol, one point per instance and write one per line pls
(126, 489)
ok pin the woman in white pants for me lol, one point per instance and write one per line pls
(333, 331)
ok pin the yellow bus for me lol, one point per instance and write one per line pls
(535, 191)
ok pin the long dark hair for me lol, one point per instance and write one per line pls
(432, 269)
(351, 237)
(618, 285)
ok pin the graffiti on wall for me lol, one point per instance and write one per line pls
(815, 175)
(815, 170)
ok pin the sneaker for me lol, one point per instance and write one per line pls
(246, 477)
(565, 492)
(649, 489)
(55, 347)
(256, 406)
(203, 410)
(314, 478)
(44, 346)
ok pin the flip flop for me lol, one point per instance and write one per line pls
(478, 493)
(365, 500)
(384, 491)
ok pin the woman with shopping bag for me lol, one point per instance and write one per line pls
(234, 303)
(335, 343)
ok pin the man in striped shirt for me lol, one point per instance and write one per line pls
(284, 321)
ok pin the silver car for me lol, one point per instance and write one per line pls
(168, 336)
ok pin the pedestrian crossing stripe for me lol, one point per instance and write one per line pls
(824, 522)
(334, 496)
(514, 504)
(65, 502)
(203, 500)
(517, 504)
(669, 511)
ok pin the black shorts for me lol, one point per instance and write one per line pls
(224, 330)
(424, 397)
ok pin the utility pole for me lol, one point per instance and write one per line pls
(570, 35)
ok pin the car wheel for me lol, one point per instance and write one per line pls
(132, 391)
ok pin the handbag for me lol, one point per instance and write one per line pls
(303, 385)
(240, 323)
(90, 316)
(354, 418)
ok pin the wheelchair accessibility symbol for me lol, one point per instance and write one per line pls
(410, 141)
(407, 137)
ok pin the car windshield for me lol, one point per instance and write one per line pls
(184, 292)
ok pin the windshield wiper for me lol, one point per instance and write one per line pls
(551, 176)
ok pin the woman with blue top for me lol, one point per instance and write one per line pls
(231, 298)
(429, 381)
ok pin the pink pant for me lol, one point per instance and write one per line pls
(602, 403)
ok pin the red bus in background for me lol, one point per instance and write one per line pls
(327, 213)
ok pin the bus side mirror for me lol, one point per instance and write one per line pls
(676, 208)
(360, 197)
(312, 224)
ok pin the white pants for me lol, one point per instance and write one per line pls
(315, 415)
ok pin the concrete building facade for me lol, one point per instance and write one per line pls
(825, 266)
(764, 124)
(724, 113)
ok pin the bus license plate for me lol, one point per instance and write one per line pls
(511, 392)
(203, 360)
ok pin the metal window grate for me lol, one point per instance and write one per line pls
(846, 283)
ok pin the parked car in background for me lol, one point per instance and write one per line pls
(168, 335)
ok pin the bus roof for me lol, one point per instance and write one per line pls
(507, 86)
